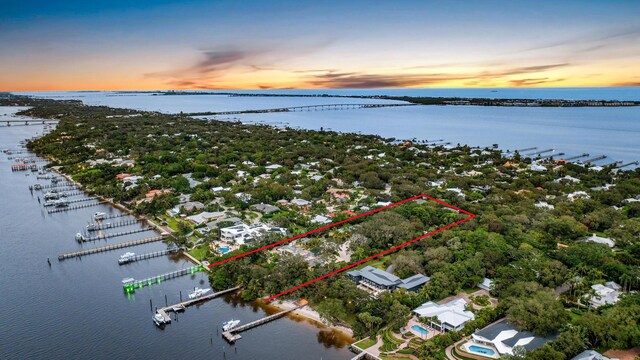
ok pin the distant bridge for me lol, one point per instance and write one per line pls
(325, 107)
(8, 122)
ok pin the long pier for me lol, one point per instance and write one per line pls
(536, 153)
(111, 247)
(628, 164)
(75, 207)
(597, 158)
(234, 334)
(324, 107)
(115, 216)
(182, 305)
(576, 157)
(103, 226)
(107, 236)
(150, 255)
(137, 284)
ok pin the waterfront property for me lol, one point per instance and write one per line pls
(500, 338)
(445, 317)
(375, 280)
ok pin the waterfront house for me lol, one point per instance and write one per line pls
(449, 316)
(375, 280)
(501, 337)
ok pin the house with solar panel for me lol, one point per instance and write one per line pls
(376, 281)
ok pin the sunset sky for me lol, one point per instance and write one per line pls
(140, 45)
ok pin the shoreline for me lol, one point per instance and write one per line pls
(309, 315)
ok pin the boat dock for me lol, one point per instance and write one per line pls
(597, 158)
(628, 164)
(150, 255)
(107, 217)
(75, 207)
(111, 247)
(130, 286)
(107, 236)
(182, 305)
(234, 334)
(96, 226)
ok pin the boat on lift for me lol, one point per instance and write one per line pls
(98, 216)
(160, 320)
(126, 258)
(198, 292)
(230, 324)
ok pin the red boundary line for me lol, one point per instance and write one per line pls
(326, 227)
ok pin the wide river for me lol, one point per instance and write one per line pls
(610, 131)
(76, 309)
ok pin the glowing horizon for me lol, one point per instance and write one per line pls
(223, 45)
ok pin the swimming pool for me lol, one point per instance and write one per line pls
(223, 250)
(481, 350)
(420, 329)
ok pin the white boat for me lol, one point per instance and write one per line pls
(126, 257)
(198, 293)
(98, 216)
(230, 324)
(160, 320)
(79, 237)
(128, 281)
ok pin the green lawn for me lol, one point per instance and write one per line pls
(365, 343)
(199, 252)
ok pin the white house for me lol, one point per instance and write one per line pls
(578, 195)
(502, 337)
(450, 316)
(609, 293)
(243, 233)
(601, 240)
(590, 355)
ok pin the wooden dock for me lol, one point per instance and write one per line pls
(165, 310)
(75, 207)
(111, 247)
(234, 334)
(171, 249)
(103, 226)
(108, 236)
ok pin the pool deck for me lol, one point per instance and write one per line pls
(414, 321)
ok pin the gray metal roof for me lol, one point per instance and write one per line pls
(413, 281)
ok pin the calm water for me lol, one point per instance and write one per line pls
(76, 308)
(612, 131)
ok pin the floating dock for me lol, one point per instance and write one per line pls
(111, 247)
(234, 334)
(165, 310)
